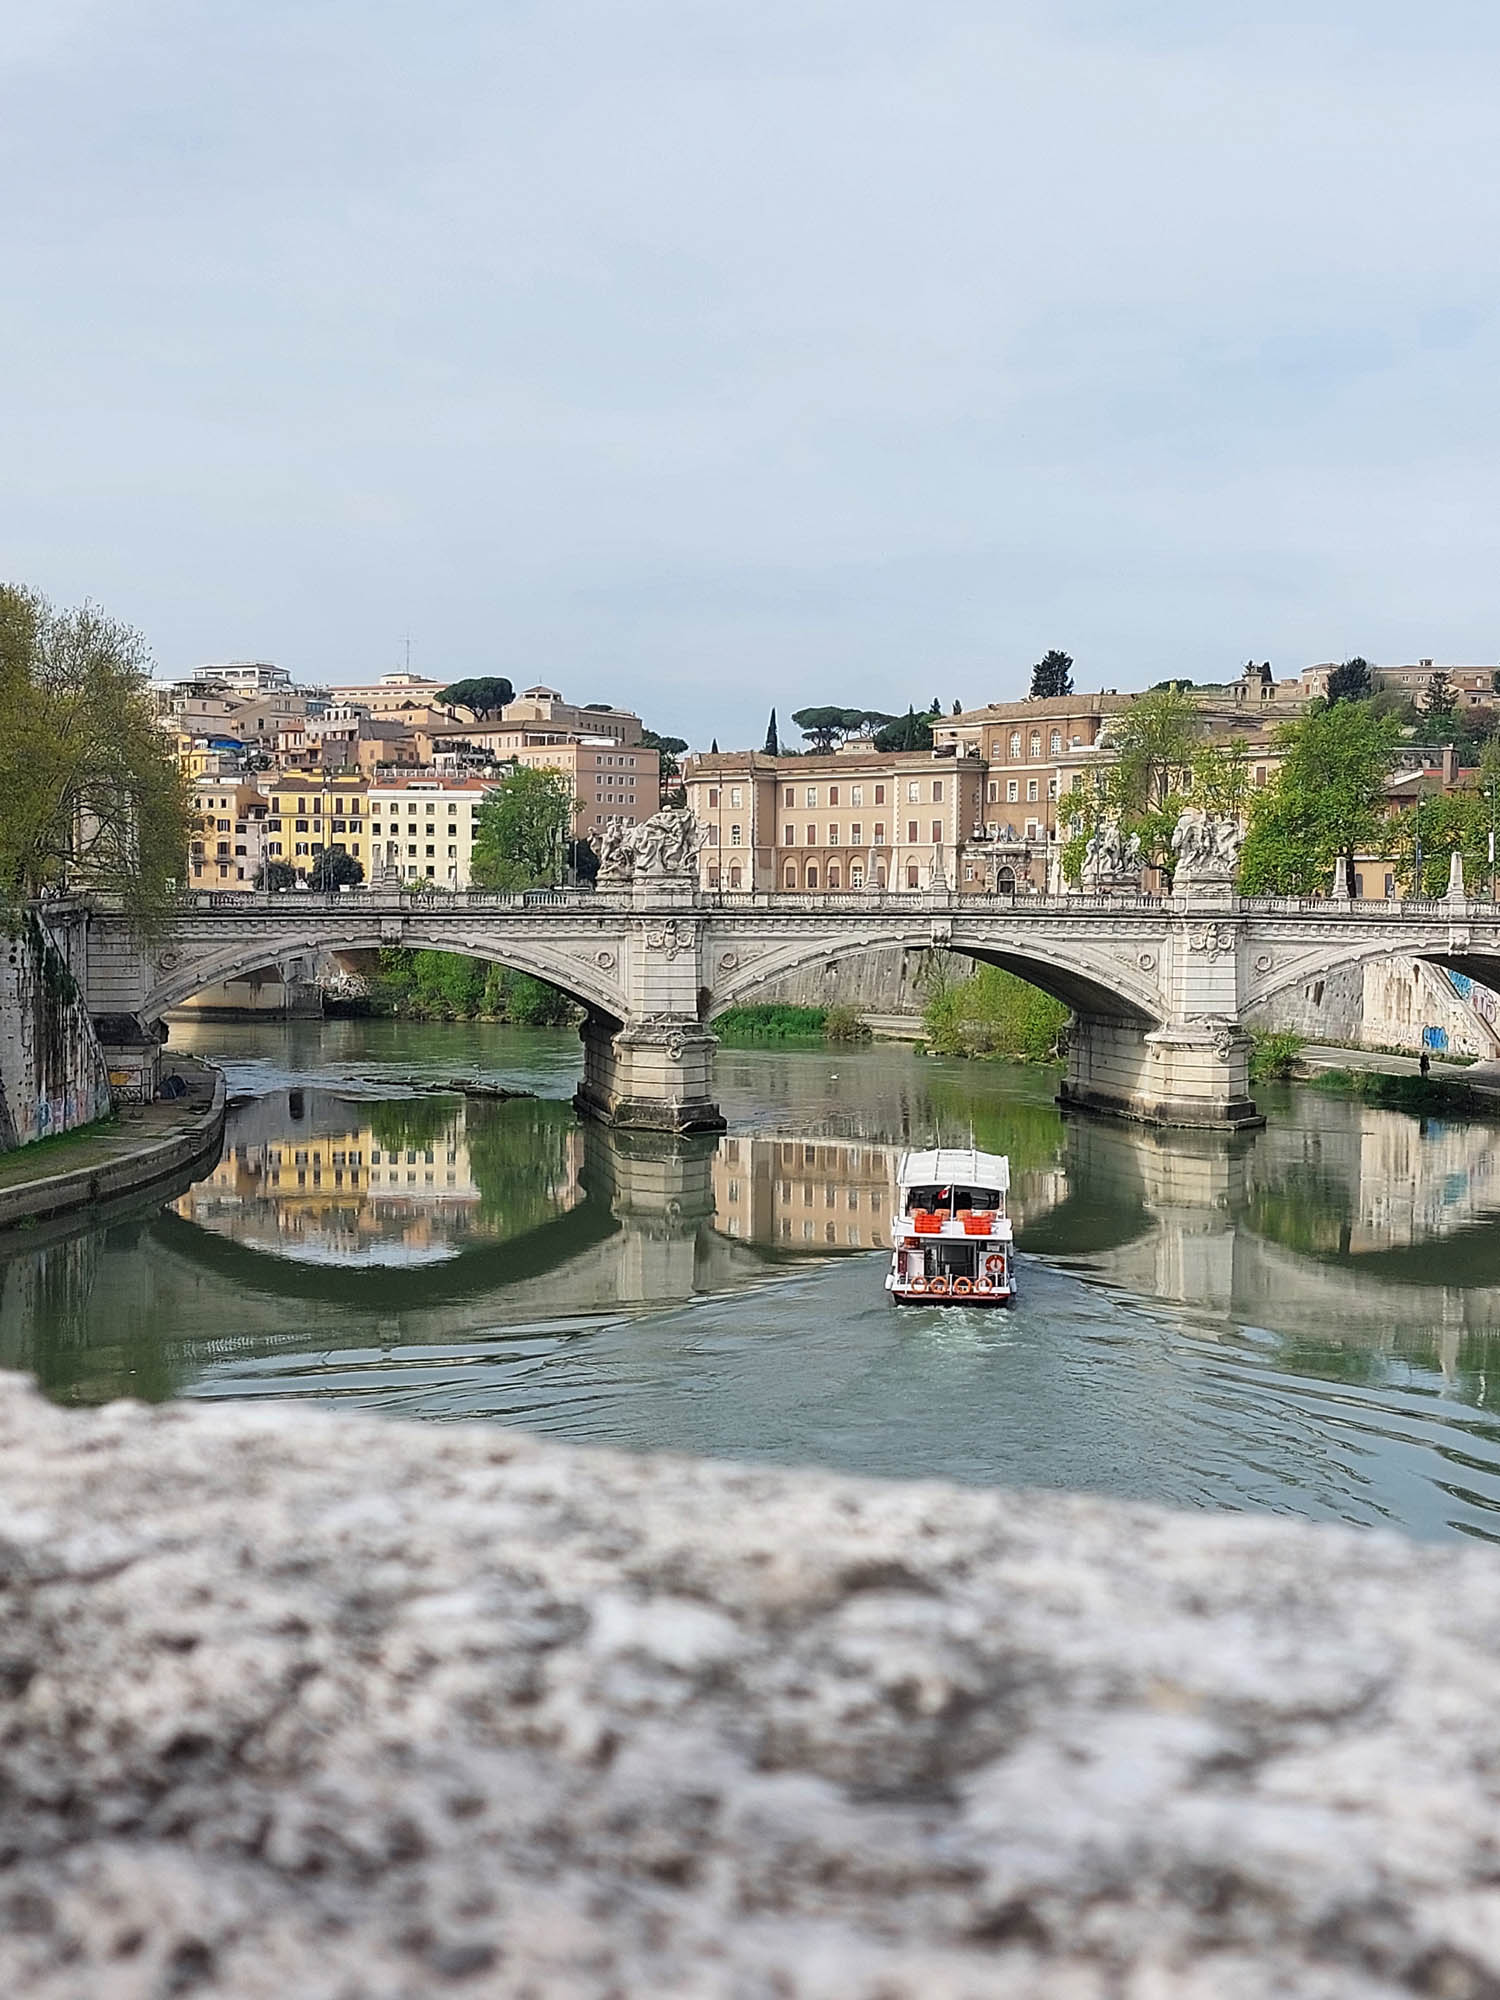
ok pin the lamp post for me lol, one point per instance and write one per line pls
(1492, 792)
(1416, 881)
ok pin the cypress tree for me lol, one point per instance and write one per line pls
(773, 741)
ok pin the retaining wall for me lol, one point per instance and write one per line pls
(52, 1071)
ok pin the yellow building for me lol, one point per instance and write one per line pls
(306, 811)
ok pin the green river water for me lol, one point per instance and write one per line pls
(1306, 1319)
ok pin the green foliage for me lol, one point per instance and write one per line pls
(275, 875)
(1052, 675)
(668, 749)
(773, 741)
(519, 1156)
(521, 831)
(1440, 696)
(1403, 1093)
(1449, 822)
(1326, 800)
(445, 986)
(1274, 1053)
(992, 1013)
(332, 869)
(90, 792)
(485, 695)
(1161, 765)
(846, 1024)
(772, 1022)
(824, 727)
(907, 732)
(1350, 682)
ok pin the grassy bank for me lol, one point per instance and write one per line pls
(1429, 1094)
(780, 1023)
(54, 1155)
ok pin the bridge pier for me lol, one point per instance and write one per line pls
(1186, 1073)
(655, 1075)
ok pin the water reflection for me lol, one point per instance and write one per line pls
(1302, 1318)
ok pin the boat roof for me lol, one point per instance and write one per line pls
(948, 1164)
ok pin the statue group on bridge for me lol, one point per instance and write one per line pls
(665, 844)
(1206, 844)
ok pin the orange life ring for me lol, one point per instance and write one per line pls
(995, 1267)
(938, 1285)
(962, 1285)
(917, 1285)
(982, 1284)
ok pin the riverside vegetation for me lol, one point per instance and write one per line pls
(990, 1013)
(445, 986)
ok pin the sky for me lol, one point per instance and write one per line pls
(702, 357)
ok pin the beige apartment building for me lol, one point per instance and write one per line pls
(857, 818)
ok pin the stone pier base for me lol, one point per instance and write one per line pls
(1193, 1073)
(655, 1076)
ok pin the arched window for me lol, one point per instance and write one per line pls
(1057, 742)
(911, 875)
(1015, 743)
(879, 878)
(1036, 742)
(812, 875)
(734, 878)
(833, 877)
(791, 874)
(1005, 882)
(856, 875)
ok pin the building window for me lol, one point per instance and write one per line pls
(812, 836)
(1057, 742)
(911, 876)
(812, 795)
(833, 795)
(1013, 790)
(913, 791)
(812, 876)
(880, 833)
(1015, 744)
(856, 835)
(1031, 791)
(791, 796)
(713, 799)
(833, 836)
(833, 878)
(856, 795)
(789, 836)
(713, 835)
(736, 797)
(937, 791)
(880, 795)
(911, 832)
(734, 836)
(1036, 742)
(791, 876)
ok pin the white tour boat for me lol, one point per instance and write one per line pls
(950, 1235)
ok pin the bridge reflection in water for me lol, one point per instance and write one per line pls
(337, 1227)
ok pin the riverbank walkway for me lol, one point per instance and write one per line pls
(144, 1145)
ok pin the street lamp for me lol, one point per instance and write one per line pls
(1416, 885)
(1492, 792)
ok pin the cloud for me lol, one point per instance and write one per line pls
(707, 357)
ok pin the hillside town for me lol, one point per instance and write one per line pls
(393, 776)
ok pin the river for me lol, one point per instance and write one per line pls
(1302, 1319)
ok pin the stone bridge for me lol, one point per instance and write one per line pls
(1159, 987)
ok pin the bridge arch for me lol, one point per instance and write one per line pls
(189, 969)
(1090, 980)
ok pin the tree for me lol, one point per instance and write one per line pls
(1052, 675)
(958, 707)
(583, 862)
(713, 748)
(1350, 682)
(773, 741)
(520, 835)
(275, 875)
(332, 868)
(486, 695)
(1440, 698)
(90, 792)
(907, 732)
(826, 726)
(1326, 800)
(668, 749)
(1157, 745)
